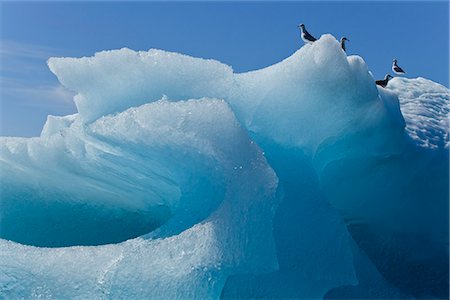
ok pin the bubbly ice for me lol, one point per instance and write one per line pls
(179, 178)
(426, 107)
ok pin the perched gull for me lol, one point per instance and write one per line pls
(343, 39)
(396, 69)
(306, 37)
(384, 82)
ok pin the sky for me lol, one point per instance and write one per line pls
(245, 35)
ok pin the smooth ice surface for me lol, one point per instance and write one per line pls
(300, 180)
(112, 81)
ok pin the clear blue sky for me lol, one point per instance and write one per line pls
(245, 35)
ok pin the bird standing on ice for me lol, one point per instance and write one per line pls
(306, 37)
(343, 39)
(384, 82)
(396, 69)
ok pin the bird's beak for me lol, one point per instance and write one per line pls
(348, 40)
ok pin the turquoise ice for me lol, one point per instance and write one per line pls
(179, 178)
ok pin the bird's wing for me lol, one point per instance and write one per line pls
(398, 69)
(309, 37)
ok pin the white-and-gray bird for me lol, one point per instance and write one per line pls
(343, 40)
(306, 37)
(384, 82)
(396, 69)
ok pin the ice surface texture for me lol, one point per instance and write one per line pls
(425, 105)
(178, 178)
(178, 163)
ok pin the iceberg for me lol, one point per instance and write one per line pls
(178, 178)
